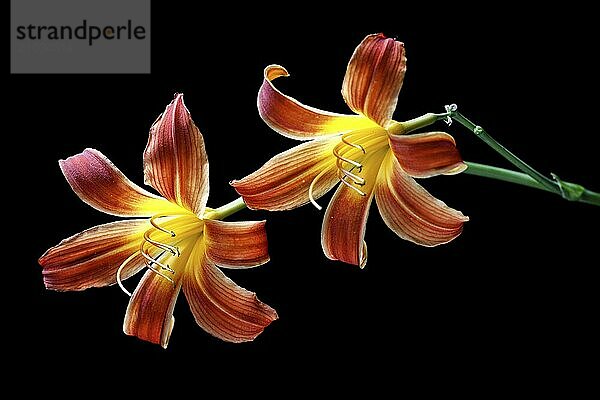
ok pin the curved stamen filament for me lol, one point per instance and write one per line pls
(151, 261)
(172, 249)
(342, 158)
(312, 186)
(120, 271)
(346, 173)
(357, 180)
(356, 146)
(343, 180)
(154, 224)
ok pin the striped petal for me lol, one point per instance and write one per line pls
(374, 78)
(411, 212)
(284, 181)
(91, 258)
(427, 154)
(345, 221)
(222, 308)
(236, 244)
(175, 161)
(293, 119)
(150, 312)
(100, 184)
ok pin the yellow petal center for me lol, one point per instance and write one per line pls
(353, 153)
(169, 235)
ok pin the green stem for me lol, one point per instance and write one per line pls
(503, 151)
(506, 175)
(228, 209)
(487, 171)
(567, 190)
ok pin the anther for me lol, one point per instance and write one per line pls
(152, 261)
(352, 187)
(171, 249)
(349, 161)
(356, 146)
(357, 180)
(154, 224)
(157, 272)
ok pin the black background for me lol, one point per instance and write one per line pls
(512, 301)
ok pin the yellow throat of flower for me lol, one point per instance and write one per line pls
(163, 243)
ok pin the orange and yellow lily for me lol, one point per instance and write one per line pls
(369, 153)
(175, 236)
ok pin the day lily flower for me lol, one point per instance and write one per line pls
(176, 237)
(369, 153)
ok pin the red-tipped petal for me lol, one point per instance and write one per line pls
(293, 119)
(91, 258)
(374, 78)
(345, 221)
(150, 312)
(175, 161)
(427, 154)
(222, 308)
(283, 182)
(411, 212)
(236, 244)
(100, 184)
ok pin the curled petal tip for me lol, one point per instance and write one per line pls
(295, 120)
(274, 71)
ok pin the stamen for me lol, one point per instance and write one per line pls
(357, 180)
(151, 261)
(154, 224)
(157, 272)
(347, 172)
(356, 146)
(155, 261)
(172, 249)
(311, 188)
(339, 157)
(120, 271)
(352, 187)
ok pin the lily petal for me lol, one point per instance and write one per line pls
(427, 154)
(411, 212)
(236, 244)
(91, 258)
(374, 78)
(222, 308)
(283, 182)
(345, 221)
(100, 184)
(293, 119)
(175, 161)
(150, 312)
